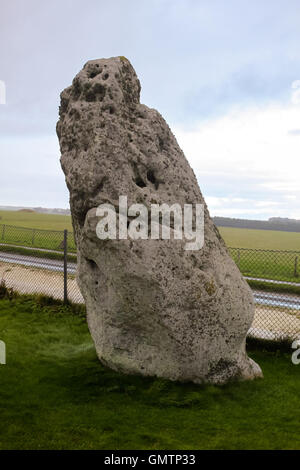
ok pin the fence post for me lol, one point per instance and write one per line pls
(296, 267)
(238, 258)
(33, 236)
(65, 267)
(3, 232)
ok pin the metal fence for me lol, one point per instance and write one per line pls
(44, 262)
(274, 279)
(268, 264)
(36, 238)
(34, 261)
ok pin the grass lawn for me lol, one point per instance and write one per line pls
(36, 220)
(260, 239)
(284, 266)
(36, 253)
(235, 237)
(35, 230)
(55, 394)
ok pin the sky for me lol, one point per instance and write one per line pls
(224, 74)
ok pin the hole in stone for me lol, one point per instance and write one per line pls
(99, 186)
(92, 264)
(93, 70)
(161, 144)
(140, 182)
(76, 89)
(94, 93)
(93, 74)
(105, 76)
(151, 176)
(111, 110)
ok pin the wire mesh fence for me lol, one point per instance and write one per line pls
(274, 279)
(34, 261)
(36, 238)
(46, 265)
(40, 278)
(268, 264)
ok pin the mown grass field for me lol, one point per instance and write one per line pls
(260, 239)
(55, 394)
(284, 266)
(256, 264)
(36, 220)
(235, 237)
(265, 264)
(35, 230)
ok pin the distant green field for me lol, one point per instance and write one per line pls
(278, 265)
(235, 237)
(260, 239)
(36, 230)
(266, 264)
(45, 231)
(36, 220)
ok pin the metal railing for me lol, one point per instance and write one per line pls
(36, 238)
(44, 262)
(274, 278)
(268, 264)
(35, 261)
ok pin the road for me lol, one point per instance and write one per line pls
(274, 281)
(31, 248)
(37, 262)
(274, 299)
(261, 298)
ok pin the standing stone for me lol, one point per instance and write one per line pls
(153, 308)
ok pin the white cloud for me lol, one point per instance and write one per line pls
(252, 156)
(30, 172)
(295, 96)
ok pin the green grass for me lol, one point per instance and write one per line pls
(55, 394)
(35, 230)
(272, 287)
(235, 237)
(260, 239)
(268, 264)
(37, 254)
(36, 220)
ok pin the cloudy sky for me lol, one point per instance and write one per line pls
(224, 74)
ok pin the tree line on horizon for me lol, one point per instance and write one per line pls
(274, 223)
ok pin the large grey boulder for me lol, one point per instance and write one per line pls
(153, 307)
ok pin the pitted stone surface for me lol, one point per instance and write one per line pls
(153, 307)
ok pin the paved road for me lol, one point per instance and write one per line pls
(47, 250)
(275, 281)
(277, 300)
(36, 262)
(261, 298)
